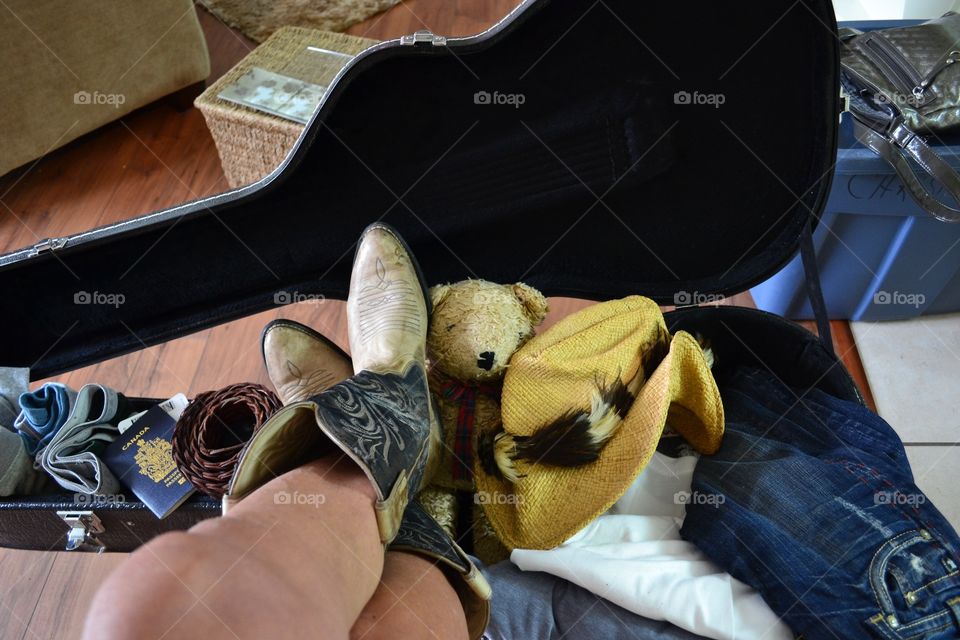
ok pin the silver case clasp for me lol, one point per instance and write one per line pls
(84, 528)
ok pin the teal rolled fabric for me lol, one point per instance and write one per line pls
(42, 413)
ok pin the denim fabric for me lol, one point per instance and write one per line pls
(42, 413)
(530, 605)
(819, 512)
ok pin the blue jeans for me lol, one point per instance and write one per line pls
(813, 504)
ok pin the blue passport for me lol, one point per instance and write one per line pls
(142, 459)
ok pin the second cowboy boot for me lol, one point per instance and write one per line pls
(301, 362)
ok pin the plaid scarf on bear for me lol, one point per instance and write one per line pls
(465, 394)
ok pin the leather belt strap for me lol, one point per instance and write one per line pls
(213, 430)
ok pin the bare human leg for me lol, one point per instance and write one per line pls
(304, 565)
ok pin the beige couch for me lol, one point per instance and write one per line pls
(67, 67)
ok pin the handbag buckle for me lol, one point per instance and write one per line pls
(900, 135)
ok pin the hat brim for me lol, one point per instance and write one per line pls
(550, 504)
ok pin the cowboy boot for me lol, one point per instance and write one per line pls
(388, 313)
(382, 417)
(301, 362)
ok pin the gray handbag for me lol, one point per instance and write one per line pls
(902, 83)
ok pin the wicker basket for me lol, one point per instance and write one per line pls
(251, 143)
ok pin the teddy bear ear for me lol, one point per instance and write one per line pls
(534, 303)
(438, 293)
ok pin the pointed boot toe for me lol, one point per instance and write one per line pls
(388, 308)
(301, 362)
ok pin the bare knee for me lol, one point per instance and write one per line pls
(142, 593)
(209, 583)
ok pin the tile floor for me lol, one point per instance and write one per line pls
(913, 368)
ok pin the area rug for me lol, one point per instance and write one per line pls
(257, 19)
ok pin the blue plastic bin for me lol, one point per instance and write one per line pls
(881, 257)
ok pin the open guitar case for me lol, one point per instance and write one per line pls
(590, 149)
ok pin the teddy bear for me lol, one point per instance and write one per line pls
(475, 328)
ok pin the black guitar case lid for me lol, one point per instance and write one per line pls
(589, 149)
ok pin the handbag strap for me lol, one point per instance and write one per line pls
(898, 143)
(811, 273)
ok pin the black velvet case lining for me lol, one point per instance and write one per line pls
(741, 336)
(694, 198)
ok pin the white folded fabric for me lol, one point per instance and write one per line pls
(633, 556)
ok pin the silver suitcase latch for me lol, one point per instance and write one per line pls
(424, 37)
(48, 245)
(84, 528)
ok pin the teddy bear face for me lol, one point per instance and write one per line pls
(476, 327)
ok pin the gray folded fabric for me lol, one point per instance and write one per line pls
(18, 476)
(72, 457)
(13, 382)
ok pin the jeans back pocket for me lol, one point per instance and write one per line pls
(914, 578)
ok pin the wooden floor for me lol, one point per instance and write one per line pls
(160, 156)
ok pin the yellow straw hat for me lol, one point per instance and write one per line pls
(563, 374)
